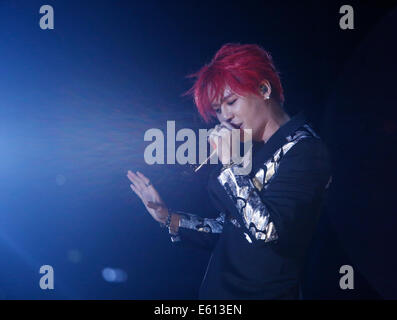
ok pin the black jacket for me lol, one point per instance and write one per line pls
(266, 218)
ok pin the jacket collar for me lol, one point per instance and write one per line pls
(263, 151)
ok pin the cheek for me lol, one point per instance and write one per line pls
(242, 112)
(257, 113)
(248, 115)
(250, 106)
(219, 117)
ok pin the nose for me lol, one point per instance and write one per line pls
(226, 113)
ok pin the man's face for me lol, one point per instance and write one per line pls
(242, 112)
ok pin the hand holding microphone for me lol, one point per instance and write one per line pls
(220, 139)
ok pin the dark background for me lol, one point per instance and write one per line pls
(76, 101)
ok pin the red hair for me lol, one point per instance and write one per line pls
(242, 68)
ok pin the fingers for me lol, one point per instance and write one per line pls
(218, 135)
(136, 180)
(226, 125)
(220, 139)
(145, 180)
(137, 192)
(141, 185)
(213, 144)
(216, 142)
(130, 175)
(135, 186)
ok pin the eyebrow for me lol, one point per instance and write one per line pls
(223, 99)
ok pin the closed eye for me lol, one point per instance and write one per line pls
(219, 110)
(232, 102)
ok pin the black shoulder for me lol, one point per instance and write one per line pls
(310, 154)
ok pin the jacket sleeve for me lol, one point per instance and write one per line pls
(197, 231)
(280, 199)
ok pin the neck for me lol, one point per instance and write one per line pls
(275, 121)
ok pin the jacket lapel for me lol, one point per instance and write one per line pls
(261, 153)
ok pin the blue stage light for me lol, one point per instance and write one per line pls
(114, 275)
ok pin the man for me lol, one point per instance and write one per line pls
(266, 217)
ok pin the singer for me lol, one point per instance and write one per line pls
(265, 219)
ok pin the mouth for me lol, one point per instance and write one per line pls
(236, 126)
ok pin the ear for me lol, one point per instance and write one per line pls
(265, 89)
